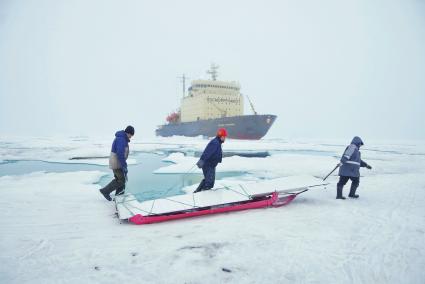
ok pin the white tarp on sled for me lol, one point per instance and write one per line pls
(127, 205)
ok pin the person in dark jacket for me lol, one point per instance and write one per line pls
(210, 158)
(350, 164)
(117, 162)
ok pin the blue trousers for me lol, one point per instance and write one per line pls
(355, 181)
(209, 178)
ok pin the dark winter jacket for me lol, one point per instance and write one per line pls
(351, 159)
(213, 153)
(119, 151)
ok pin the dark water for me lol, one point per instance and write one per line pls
(141, 181)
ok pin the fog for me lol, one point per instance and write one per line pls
(327, 69)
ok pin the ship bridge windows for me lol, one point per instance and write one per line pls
(214, 86)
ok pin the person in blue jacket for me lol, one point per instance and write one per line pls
(350, 164)
(210, 158)
(117, 162)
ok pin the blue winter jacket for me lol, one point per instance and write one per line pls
(351, 159)
(120, 148)
(213, 153)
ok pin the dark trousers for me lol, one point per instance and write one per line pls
(355, 181)
(209, 178)
(117, 184)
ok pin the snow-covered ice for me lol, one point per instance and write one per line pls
(74, 150)
(56, 227)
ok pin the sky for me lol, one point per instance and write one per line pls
(328, 69)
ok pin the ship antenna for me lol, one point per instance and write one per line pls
(183, 80)
(252, 106)
(213, 71)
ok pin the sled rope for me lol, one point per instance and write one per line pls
(135, 207)
(164, 193)
(245, 191)
(188, 172)
(228, 188)
(170, 188)
(190, 205)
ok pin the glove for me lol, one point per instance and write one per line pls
(339, 164)
(200, 163)
(368, 167)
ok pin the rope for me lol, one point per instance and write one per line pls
(246, 195)
(137, 209)
(185, 174)
(160, 196)
(170, 188)
(167, 190)
(245, 191)
(194, 206)
(125, 206)
(153, 203)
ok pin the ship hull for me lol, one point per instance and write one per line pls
(250, 127)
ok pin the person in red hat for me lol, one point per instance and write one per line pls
(209, 160)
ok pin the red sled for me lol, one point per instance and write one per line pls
(214, 201)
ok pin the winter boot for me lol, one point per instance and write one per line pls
(339, 192)
(353, 192)
(107, 197)
(119, 191)
(200, 186)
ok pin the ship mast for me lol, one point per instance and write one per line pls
(183, 80)
(213, 71)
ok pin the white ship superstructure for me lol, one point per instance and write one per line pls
(210, 99)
